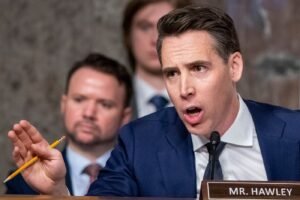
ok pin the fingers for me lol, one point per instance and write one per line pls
(17, 157)
(23, 135)
(43, 151)
(32, 132)
(17, 143)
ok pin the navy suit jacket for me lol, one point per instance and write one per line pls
(18, 186)
(154, 156)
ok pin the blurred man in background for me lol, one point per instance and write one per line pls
(140, 35)
(95, 104)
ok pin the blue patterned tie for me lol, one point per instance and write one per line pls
(218, 174)
(159, 101)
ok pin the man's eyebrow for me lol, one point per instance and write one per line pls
(143, 21)
(198, 62)
(168, 69)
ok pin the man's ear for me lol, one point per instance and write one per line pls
(127, 114)
(63, 101)
(236, 66)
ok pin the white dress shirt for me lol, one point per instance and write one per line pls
(143, 93)
(77, 163)
(241, 158)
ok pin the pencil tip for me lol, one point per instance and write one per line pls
(7, 179)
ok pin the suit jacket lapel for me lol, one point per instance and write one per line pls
(280, 163)
(134, 108)
(176, 161)
(68, 178)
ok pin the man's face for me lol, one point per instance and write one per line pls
(144, 35)
(200, 84)
(93, 109)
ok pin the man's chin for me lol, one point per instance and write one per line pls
(88, 141)
(197, 130)
(85, 141)
(87, 144)
(154, 68)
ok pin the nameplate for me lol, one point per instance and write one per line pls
(214, 190)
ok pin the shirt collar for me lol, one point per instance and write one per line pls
(146, 91)
(240, 133)
(78, 162)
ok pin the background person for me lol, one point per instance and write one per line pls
(140, 34)
(95, 104)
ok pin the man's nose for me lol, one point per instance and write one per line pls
(187, 89)
(90, 110)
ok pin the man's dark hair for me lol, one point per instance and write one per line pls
(212, 20)
(130, 11)
(105, 65)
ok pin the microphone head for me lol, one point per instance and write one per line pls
(215, 137)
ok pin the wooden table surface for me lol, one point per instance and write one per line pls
(43, 197)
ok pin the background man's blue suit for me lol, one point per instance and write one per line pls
(155, 155)
(19, 186)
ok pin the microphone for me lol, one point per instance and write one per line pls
(214, 142)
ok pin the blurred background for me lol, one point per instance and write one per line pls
(40, 40)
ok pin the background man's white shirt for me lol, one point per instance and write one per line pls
(143, 93)
(77, 163)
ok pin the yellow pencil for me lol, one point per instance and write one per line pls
(31, 161)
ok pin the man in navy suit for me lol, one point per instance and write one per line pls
(164, 154)
(95, 104)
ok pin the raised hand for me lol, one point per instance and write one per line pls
(47, 175)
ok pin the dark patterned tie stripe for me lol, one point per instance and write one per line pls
(92, 170)
(218, 174)
(159, 101)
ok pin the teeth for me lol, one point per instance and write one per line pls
(193, 114)
(193, 110)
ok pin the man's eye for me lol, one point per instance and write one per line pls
(144, 26)
(78, 99)
(106, 104)
(170, 74)
(199, 68)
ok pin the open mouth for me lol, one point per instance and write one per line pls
(193, 115)
(193, 111)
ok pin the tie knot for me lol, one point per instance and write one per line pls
(92, 170)
(159, 101)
